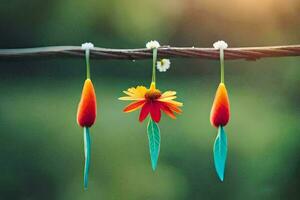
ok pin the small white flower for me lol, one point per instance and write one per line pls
(220, 44)
(87, 46)
(163, 65)
(153, 44)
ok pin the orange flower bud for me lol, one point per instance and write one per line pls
(220, 111)
(86, 113)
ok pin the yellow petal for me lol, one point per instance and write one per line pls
(137, 93)
(130, 98)
(168, 98)
(168, 93)
(152, 86)
(129, 93)
(176, 103)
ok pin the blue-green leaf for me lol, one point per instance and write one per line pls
(220, 152)
(154, 142)
(87, 155)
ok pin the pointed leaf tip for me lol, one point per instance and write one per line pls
(87, 155)
(220, 152)
(154, 142)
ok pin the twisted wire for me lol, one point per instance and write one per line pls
(247, 53)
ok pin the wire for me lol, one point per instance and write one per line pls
(247, 53)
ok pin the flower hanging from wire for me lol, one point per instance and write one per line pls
(219, 117)
(152, 101)
(87, 111)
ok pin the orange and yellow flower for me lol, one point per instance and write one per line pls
(220, 111)
(151, 101)
(87, 108)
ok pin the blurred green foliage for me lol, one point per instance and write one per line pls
(41, 146)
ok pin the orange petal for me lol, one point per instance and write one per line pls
(173, 107)
(220, 111)
(134, 106)
(86, 112)
(167, 110)
(145, 111)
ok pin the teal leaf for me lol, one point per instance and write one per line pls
(154, 142)
(87, 155)
(220, 152)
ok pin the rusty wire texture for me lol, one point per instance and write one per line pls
(247, 53)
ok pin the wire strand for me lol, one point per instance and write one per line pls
(247, 53)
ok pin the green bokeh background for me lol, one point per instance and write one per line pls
(41, 146)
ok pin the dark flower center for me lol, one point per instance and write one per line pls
(152, 94)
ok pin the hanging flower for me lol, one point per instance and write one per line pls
(163, 65)
(152, 101)
(86, 113)
(219, 116)
(220, 112)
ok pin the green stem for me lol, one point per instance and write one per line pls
(222, 64)
(87, 59)
(153, 65)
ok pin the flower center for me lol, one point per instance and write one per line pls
(152, 94)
